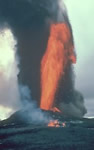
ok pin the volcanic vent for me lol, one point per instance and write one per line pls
(45, 48)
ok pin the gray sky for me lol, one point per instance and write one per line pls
(81, 14)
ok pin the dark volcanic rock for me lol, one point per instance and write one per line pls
(16, 134)
(22, 117)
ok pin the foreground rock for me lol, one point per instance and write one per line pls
(17, 134)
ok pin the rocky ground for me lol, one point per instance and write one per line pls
(78, 134)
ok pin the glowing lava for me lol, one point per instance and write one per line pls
(56, 123)
(55, 109)
(58, 53)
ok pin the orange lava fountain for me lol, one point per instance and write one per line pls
(59, 51)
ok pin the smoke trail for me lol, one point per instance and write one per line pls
(30, 22)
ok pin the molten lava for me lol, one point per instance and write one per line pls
(58, 53)
(56, 123)
(55, 109)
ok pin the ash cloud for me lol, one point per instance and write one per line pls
(30, 22)
(75, 108)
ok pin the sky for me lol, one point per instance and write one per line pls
(82, 20)
(81, 14)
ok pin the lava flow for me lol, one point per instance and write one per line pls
(56, 123)
(58, 53)
(55, 109)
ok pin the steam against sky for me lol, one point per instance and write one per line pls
(6, 48)
(9, 96)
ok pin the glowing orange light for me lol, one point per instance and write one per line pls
(55, 109)
(63, 124)
(53, 123)
(56, 123)
(59, 51)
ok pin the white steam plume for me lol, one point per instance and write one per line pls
(9, 94)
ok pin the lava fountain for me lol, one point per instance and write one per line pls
(45, 53)
(58, 53)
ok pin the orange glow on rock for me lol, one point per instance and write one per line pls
(53, 123)
(56, 123)
(55, 109)
(59, 51)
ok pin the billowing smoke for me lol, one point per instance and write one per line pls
(30, 22)
(9, 95)
(34, 114)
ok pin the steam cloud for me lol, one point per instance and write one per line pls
(9, 95)
(34, 114)
(30, 22)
